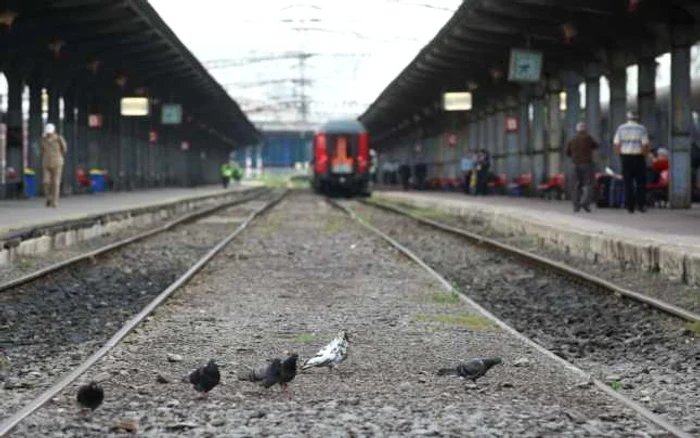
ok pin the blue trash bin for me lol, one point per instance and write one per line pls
(97, 181)
(29, 183)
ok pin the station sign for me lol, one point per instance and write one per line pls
(185, 146)
(525, 65)
(135, 106)
(451, 139)
(512, 124)
(171, 114)
(152, 136)
(457, 101)
(95, 120)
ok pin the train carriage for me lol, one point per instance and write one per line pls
(342, 159)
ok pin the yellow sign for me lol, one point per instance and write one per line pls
(134, 106)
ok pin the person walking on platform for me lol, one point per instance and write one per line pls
(467, 166)
(226, 174)
(53, 152)
(482, 172)
(580, 149)
(632, 145)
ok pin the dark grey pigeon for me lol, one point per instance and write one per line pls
(289, 371)
(471, 370)
(90, 397)
(204, 379)
(267, 375)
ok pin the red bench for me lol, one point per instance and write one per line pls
(83, 179)
(555, 187)
(657, 193)
(499, 183)
(521, 184)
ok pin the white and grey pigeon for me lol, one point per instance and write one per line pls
(332, 354)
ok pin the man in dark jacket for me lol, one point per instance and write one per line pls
(580, 149)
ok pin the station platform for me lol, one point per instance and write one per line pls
(29, 213)
(660, 239)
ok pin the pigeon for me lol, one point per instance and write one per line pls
(267, 375)
(289, 371)
(204, 379)
(277, 372)
(332, 354)
(90, 396)
(471, 370)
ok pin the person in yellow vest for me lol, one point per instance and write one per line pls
(226, 174)
(53, 152)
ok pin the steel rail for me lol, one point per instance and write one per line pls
(641, 410)
(129, 240)
(547, 263)
(9, 424)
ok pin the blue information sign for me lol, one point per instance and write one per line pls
(525, 66)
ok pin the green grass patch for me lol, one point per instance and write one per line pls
(464, 320)
(424, 212)
(445, 298)
(305, 338)
(333, 226)
(694, 327)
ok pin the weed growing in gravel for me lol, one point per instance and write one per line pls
(615, 385)
(464, 320)
(694, 327)
(333, 226)
(445, 298)
(305, 338)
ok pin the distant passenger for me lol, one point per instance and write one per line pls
(580, 149)
(467, 166)
(226, 174)
(482, 171)
(632, 144)
(53, 152)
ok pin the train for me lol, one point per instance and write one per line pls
(342, 159)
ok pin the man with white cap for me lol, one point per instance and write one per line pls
(580, 149)
(632, 145)
(53, 151)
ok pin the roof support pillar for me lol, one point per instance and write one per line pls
(126, 174)
(618, 110)
(84, 137)
(512, 138)
(483, 140)
(14, 147)
(500, 150)
(538, 147)
(680, 121)
(573, 104)
(70, 133)
(554, 151)
(524, 145)
(112, 134)
(646, 95)
(593, 121)
(35, 128)
(492, 136)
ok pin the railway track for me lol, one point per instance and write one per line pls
(201, 251)
(528, 312)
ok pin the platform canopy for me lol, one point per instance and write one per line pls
(91, 44)
(472, 51)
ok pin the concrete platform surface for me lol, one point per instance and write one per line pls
(663, 239)
(23, 213)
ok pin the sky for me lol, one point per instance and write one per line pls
(359, 47)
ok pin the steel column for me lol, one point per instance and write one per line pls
(70, 133)
(646, 95)
(15, 143)
(618, 110)
(573, 104)
(524, 146)
(593, 120)
(554, 149)
(538, 147)
(35, 128)
(680, 122)
(512, 139)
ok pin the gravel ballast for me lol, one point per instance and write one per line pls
(290, 282)
(649, 356)
(52, 324)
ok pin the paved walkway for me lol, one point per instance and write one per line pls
(20, 214)
(659, 225)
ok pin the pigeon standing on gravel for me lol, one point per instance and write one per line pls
(332, 354)
(267, 375)
(277, 372)
(204, 379)
(90, 397)
(472, 370)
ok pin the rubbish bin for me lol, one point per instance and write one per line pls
(97, 181)
(29, 183)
